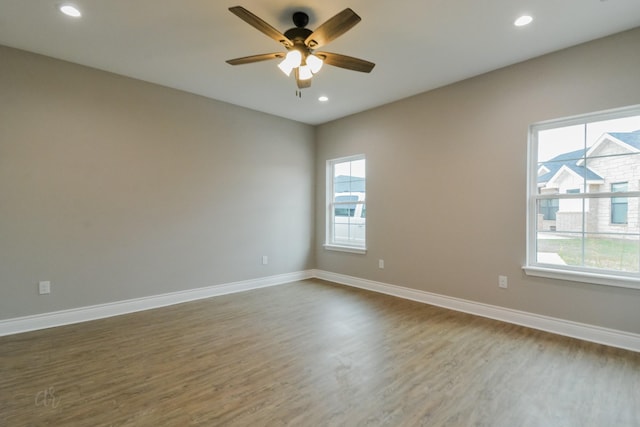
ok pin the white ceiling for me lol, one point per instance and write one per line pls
(417, 45)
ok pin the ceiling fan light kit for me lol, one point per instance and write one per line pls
(301, 42)
(291, 61)
(314, 63)
(305, 72)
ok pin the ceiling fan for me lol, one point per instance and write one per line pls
(301, 44)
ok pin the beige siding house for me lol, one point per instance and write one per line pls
(611, 164)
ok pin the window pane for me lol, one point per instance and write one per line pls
(619, 210)
(349, 229)
(612, 252)
(619, 186)
(606, 246)
(560, 249)
(345, 209)
(601, 251)
(562, 144)
(349, 177)
(570, 217)
(619, 205)
(548, 209)
(612, 173)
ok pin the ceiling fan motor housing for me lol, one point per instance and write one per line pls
(298, 36)
(300, 19)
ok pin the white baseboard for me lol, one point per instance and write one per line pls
(83, 314)
(611, 337)
(596, 334)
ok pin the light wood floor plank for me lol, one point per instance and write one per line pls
(312, 354)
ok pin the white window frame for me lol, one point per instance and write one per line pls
(572, 273)
(330, 242)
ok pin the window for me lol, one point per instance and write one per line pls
(346, 208)
(619, 205)
(345, 205)
(584, 198)
(548, 208)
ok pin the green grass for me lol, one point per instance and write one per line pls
(604, 253)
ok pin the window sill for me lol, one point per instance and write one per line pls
(351, 249)
(583, 276)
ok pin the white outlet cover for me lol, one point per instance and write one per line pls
(503, 282)
(44, 287)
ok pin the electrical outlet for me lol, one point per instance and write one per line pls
(44, 287)
(265, 260)
(503, 282)
(381, 264)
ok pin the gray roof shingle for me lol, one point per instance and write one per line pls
(571, 158)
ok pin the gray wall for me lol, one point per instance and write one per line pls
(113, 188)
(446, 184)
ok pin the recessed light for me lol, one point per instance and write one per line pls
(70, 10)
(323, 99)
(523, 20)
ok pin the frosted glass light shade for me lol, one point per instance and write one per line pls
(314, 63)
(294, 57)
(304, 72)
(291, 61)
(286, 67)
(306, 68)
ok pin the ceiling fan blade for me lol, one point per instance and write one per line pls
(255, 58)
(302, 84)
(344, 61)
(332, 29)
(260, 25)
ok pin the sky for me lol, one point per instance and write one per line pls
(570, 138)
(353, 168)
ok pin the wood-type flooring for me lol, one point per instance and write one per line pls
(312, 353)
